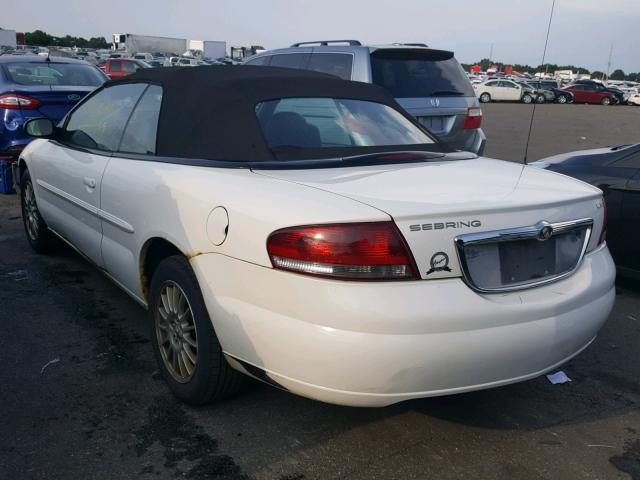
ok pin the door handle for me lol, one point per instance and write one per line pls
(89, 182)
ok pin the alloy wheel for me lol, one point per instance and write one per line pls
(31, 214)
(176, 332)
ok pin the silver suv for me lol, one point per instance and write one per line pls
(430, 84)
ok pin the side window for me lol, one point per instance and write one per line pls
(264, 60)
(115, 66)
(129, 67)
(99, 122)
(290, 60)
(632, 161)
(140, 134)
(492, 84)
(338, 64)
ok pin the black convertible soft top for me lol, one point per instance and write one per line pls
(209, 112)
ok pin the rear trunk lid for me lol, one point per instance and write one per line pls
(55, 101)
(433, 203)
(58, 100)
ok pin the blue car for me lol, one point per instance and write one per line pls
(35, 86)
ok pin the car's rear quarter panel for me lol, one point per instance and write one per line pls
(173, 202)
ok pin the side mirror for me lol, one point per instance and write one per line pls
(39, 128)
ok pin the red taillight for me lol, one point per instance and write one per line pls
(605, 221)
(355, 251)
(473, 119)
(14, 153)
(18, 102)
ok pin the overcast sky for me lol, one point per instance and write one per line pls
(581, 34)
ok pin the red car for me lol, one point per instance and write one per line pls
(121, 67)
(590, 94)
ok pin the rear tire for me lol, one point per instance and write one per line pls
(540, 99)
(526, 98)
(485, 98)
(605, 101)
(38, 234)
(185, 345)
(562, 99)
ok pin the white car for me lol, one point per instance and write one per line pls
(503, 91)
(147, 57)
(634, 99)
(181, 62)
(308, 232)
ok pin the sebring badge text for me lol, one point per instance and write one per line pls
(445, 225)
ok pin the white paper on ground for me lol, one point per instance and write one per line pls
(558, 377)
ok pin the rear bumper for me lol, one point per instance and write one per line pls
(374, 344)
(473, 140)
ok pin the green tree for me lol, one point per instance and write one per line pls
(43, 39)
(38, 37)
(617, 75)
(485, 63)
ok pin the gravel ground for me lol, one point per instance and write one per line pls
(81, 397)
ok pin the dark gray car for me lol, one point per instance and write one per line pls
(430, 84)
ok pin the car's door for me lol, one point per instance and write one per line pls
(69, 169)
(579, 94)
(512, 90)
(123, 214)
(129, 67)
(593, 95)
(630, 215)
(114, 69)
(496, 90)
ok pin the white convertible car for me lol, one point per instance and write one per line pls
(306, 231)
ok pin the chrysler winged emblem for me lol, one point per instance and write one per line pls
(545, 233)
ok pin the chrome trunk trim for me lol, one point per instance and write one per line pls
(515, 234)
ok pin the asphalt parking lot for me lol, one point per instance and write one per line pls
(81, 397)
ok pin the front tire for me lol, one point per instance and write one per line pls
(485, 98)
(605, 101)
(185, 345)
(38, 234)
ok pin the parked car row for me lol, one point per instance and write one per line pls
(541, 91)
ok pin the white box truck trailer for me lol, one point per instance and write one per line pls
(8, 38)
(211, 49)
(145, 43)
